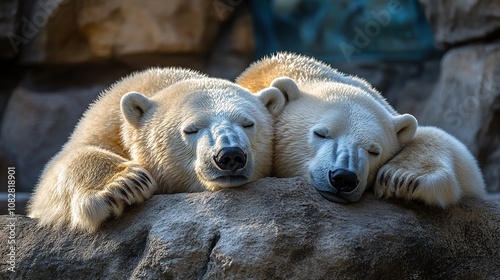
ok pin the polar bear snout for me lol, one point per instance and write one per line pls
(342, 180)
(231, 159)
(224, 156)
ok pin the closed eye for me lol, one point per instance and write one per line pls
(374, 150)
(191, 130)
(248, 125)
(321, 133)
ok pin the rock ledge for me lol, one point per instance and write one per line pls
(273, 228)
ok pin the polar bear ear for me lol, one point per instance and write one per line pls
(288, 87)
(273, 99)
(406, 126)
(133, 106)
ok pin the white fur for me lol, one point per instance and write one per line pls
(441, 166)
(160, 138)
(326, 100)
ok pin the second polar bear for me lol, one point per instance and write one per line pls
(162, 130)
(343, 136)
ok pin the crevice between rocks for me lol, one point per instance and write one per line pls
(213, 242)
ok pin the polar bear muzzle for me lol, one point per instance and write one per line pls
(342, 180)
(231, 159)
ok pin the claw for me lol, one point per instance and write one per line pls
(137, 184)
(410, 182)
(402, 182)
(125, 193)
(381, 179)
(129, 190)
(145, 178)
(417, 182)
(395, 182)
(386, 181)
(110, 200)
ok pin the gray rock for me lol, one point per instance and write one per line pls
(35, 126)
(461, 21)
(466, 103)
(271, 229)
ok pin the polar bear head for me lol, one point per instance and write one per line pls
(337, 136)
(202, 134)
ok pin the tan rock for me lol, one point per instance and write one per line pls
(79, 31)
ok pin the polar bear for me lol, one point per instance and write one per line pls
(342, 135)
(162, 130)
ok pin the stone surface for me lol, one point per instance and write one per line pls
(461, 21)
(271, 229)
(37, 125)
(79, 31)
(466, 103)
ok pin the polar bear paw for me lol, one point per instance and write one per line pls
(133, 185)
(438, 187)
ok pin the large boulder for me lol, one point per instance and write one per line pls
(466, 103)
(59, 31)
(460, 21)
(271, 229)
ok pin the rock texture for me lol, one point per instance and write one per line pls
(466, 103)
(271, 229)
(466, 98)
(79, 31)
(461, 21)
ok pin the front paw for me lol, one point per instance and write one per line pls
(393, 181)
(133, 185)
(434, 187)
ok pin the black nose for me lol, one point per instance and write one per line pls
(343, 180)
(231, 159)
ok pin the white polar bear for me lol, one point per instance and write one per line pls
(177, 131)
(343, 136)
